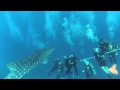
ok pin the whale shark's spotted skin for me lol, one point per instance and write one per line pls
(19, 68)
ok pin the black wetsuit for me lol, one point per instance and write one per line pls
(59, 67)
(88, 71)
(69, 66)
(104, 46)
(99, 56)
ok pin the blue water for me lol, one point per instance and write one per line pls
(22, 32)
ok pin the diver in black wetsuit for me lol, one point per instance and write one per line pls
(89, 69)
(59, 67)
(68, 67)
(107, 47)
(72, 62)
(99, 56)
(112, 55)
(103, 45)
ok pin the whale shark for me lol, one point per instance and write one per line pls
(19, 68)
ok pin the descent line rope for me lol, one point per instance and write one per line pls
(105, 53)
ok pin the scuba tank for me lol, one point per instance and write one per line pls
(115, 46)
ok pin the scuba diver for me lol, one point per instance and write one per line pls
(99, 56)
(113, 49)
(103, 45)
(59, 67)
(68, 67)
(89, 69)
(71, 62)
